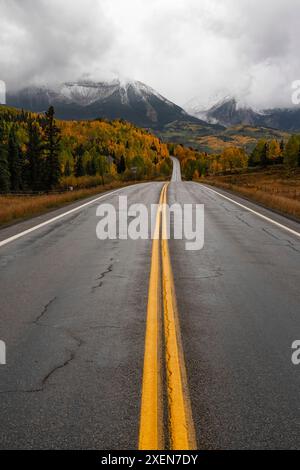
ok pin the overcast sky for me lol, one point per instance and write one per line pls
(182, 48)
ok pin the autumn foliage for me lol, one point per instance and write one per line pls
(38, 153)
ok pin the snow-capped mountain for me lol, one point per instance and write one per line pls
(127, 99)
(200, 109)
(229, 111)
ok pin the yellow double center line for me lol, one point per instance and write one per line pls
(180, 424)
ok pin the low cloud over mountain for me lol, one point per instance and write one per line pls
(183, 48)
(130, 100)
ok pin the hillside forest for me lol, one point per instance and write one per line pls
(41, 154)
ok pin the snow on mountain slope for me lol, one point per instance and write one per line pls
(85, 93)
(229, 111)
(225, 110)
(128, 99)
(197, 106)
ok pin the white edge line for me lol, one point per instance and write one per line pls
(255, 212)
(54, 219)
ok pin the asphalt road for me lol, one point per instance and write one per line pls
(176, 174)
(239, 304)
(73, 316)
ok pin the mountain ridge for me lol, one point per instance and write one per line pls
(230, 112)
(129, 100)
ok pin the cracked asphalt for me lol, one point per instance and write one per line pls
(73, 316)
(73, 313)
(239, 306)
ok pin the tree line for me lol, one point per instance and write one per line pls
(38, 153)
(35, 166)
(265, 153)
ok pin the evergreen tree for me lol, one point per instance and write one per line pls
(15, 161)
(264, 155)
(52, 149)
(88, 168)
(35, 171)
(4, 171)
(282, 146)
(93, 162)
(121, 167)
(259, 153)
(291, 153)
(79, 168)
(68, 171)
(91, 168)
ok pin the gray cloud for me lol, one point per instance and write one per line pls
(183, 48)
(50, 40)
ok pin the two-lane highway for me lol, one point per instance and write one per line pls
(75, 313)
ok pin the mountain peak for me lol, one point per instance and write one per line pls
(230, 111)
(129, 99)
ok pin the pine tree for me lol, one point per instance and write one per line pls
(4, 171)
(15, 161)
(121, 167)
(91, 169)
(93, 166)
(35, 171)
(93, 162)
(264, 155)
(79, 168)
(67, 171)
(52, 150)
(259, 154)
(291, 153)
(282, 146)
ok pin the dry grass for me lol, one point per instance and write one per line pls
(275, 188)
(14, 208)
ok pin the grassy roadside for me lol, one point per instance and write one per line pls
(274, 188)
(17, 208)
